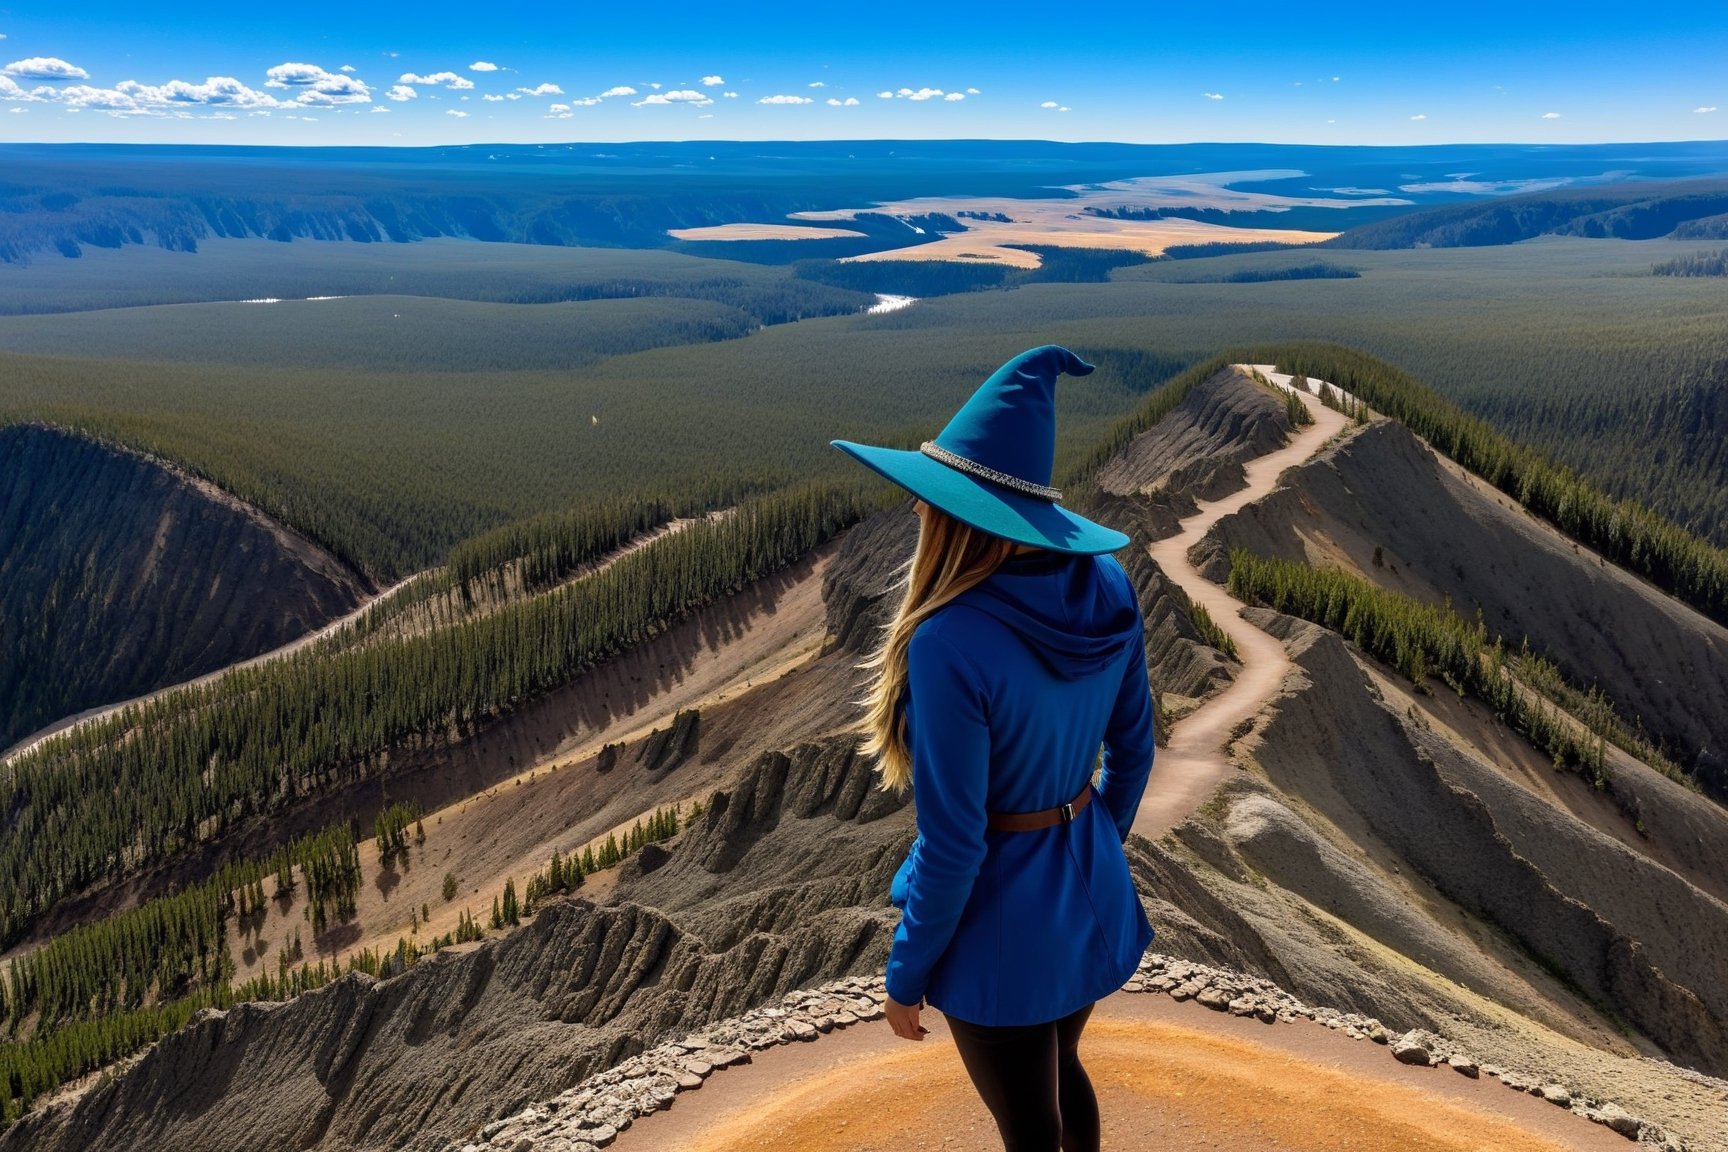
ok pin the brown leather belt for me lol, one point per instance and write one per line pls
(1044, 818)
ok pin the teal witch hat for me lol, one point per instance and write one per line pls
(991, 465)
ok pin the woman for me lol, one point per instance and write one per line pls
(1016, 655)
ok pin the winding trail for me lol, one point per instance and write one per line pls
(1186, 772)
(1169, 1075)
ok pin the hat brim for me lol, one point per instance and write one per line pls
(990, 507)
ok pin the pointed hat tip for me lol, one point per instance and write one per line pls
(1051, 360)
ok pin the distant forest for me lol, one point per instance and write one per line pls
(1700, 264)
(1623, 212)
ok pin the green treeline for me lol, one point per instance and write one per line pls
(172, 945)
(1316, 270)
(1418, 639)
(157, 777)
(390, 829)
(1622, 530)
(36, 1066)
(1698, 264)
(330, 862)
(104, 990)
(551, 547)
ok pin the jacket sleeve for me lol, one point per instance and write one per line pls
(950, 746)
(1129, 741)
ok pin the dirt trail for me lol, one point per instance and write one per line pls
(1187, 771)
(1168, 1074)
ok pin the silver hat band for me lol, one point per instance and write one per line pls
(972, 468)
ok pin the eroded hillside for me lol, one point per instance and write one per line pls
(1382, 846)
(118, 575)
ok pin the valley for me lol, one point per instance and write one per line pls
(431, 693)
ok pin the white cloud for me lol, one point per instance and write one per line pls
(1049, 104)
(512, 95)
(953, 96)
(920, 94)
(1704, 108)
(712, 81)
(1064, 108)
(379, 108)
(347, 68)
(45, 68)
(460, 115)
(491, 99)
(620, 90)
(1214, 95)
(2, 35)
(10, 90)
(730, 95)
(1550, 115)
(439, 79)
(785, 100)
(586, 102)
(558, 112)
(401, 92)
(542, 90)
(1420, 116)
(706, 116)
(884, 95)
(676, 96)
(16, 109)
(482, 66)
(973, 92)
(818, 84)
(1334, 79)
(318, 87)
(130, 98)
(849, 102)
(656, 87)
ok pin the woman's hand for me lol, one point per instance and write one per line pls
(903, 1018)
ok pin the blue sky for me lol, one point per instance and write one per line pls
(1345, 73)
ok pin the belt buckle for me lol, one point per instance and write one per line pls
(1066, 811)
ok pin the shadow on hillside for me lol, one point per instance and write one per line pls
(447, 769)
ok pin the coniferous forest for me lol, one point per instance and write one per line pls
(558, 451)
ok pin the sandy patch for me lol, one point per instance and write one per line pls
(760, 232)
(1168, 1075)
(984, 240)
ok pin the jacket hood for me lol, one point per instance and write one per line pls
(1073, 613)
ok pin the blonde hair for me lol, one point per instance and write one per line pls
(951, 557)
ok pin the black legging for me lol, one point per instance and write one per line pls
(1031, 1080)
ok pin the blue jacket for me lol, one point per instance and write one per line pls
(1012, 687)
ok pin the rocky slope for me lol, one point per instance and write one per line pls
(1381, 850)
(119, 575)
(1441, 535)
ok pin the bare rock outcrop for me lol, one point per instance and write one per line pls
(1199, 448)
(782, 883)
(1655, 948)
(1384, 503)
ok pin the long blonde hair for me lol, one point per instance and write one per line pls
(951, 557)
